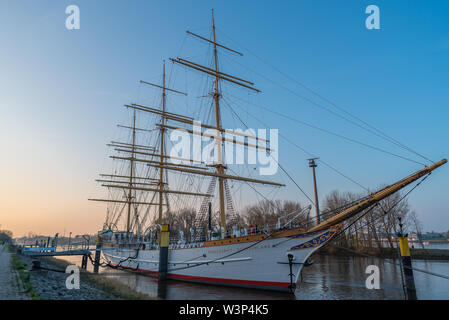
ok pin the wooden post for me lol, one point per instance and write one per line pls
(407, 264)
(97, 253)
(163, 251)
(84, 262)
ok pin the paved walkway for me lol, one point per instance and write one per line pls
(9, 289)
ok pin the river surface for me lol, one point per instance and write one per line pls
(331, 277)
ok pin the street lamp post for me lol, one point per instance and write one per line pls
(313, 165)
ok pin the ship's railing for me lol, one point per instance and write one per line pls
(193, 236)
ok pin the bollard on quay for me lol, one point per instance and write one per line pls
(407, 264)
(163, 251)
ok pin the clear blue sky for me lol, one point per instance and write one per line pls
(61, 91)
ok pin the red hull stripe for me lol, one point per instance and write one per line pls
(217, 280)
(235, 281)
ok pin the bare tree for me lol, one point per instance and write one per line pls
(377, 223)
(267, 212)
(5, 236)
(416, 223)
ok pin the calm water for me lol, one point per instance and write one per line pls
(330, 277)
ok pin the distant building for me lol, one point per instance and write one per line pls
(413, 236)
(433, 235)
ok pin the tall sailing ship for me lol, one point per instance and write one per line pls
(220, 251)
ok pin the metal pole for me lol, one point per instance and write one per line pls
(313, 165)
(210, 216)
(70, 238)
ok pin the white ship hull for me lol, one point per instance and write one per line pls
(262, 264)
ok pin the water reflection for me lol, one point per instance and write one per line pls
(330, 277)
(162, 289)
(336, 277)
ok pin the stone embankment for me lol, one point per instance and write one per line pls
(50, 284)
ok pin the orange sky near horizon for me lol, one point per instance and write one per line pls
(49, 212)
(45, 185)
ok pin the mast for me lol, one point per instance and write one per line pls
(219, 165)
(162, 130)
(134, 183)
(218, 75)
(131, 174)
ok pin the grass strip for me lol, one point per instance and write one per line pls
(24, 276)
